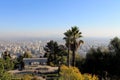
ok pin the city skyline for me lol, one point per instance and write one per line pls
(51, 18)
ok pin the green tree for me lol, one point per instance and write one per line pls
(51, 50)
(3, 74)
(20, 62)
(54, 52)
(114, 47)
(76, 34)
(98, 61)
(80, 62)
(67, 38)
(6, 54)
(1, 67)
(72, 41)
(8, 64)
(103, 61)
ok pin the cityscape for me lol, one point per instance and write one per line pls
(36, 46)
(16, 48)
(59, 39)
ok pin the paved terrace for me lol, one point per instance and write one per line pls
(31, 70)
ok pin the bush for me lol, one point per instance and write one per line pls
(26, 77)
(51, 64)
(90, 77)
(35, 78)
(72, 73)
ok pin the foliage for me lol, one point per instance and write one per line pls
(26, 77)
(19, 62)
(8, 63)
(98, 62)
(3, 65)
(51, 64)
(72, 73)
(5, 55)
(27, 54)
(90, 77)
(79, 62)
(67, 38)
(55, 53)
(72, 42)
(102, 61)
(114, 47)
(6, 76)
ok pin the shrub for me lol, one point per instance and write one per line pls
(72, 73)
(27, 77)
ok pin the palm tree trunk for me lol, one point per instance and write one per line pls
(73, 54)
(73, 60)
(68, 57)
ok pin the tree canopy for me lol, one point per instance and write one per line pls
(73, 42)
(55, 53)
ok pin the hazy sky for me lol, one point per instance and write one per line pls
(46, 18)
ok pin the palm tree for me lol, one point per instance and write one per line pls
(67, 38)
(76, 34)
(72, 42)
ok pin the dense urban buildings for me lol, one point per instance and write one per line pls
(36, 46)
